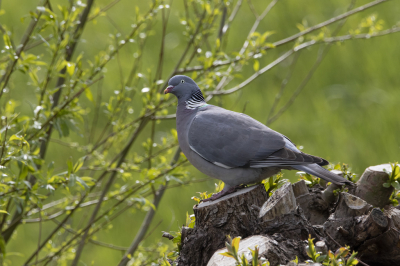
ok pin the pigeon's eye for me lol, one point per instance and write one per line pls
(182, 81)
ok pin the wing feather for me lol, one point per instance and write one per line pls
(229, 139)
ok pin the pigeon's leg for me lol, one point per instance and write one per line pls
(224, 192)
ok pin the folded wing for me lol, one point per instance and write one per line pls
(229, 139)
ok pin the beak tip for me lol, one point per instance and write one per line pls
(168, 89)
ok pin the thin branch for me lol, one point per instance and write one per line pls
(252, 8)
(311, 72)
(40, 234)
(330, 21)
(95, 242)
(258, 73)
(226, 79)
(69, 50)
(189, 44)
(149, 217)
(165, 18)
(124, 153)
(69, 242)
(222, 23)
(55, 230)
(232, 16)
(4, 142)
(25, 39)
(291, 38)
(104, 9)
(283, 86)
(301, 47)
(165, 117)
(62, 107)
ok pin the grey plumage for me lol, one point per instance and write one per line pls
(234, 147)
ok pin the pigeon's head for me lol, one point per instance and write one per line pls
(181, 86)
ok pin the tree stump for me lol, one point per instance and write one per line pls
(280, 203)
(315, 208)
(370, 186)
(279, 225)
(340, 224)
(231, 215)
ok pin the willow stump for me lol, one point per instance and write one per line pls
(235, 215)
(278, 225)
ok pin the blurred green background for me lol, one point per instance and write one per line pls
(348, 112)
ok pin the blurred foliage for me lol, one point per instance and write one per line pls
(232, 245)
(87, 141)
(204, 195)
(309, 179)
(341, 257)
(394, 177)
(273, 183)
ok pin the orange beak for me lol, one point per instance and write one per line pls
(168, 89)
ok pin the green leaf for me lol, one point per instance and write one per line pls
(79, 164)
(70, 166)
(386, 185)
(235, 243)
(70, 68)
(256, 65)
(64, 128)
(2, 211)
(50, 169)
(321, 258)
(396, 185)
(72, 180)
(24, 172)
(88, 180)
(227, 254)
(89, 94)
(83, 183)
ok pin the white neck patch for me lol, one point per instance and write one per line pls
(195, 101)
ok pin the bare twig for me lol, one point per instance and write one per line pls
(290, 38)
(40, 234)
(189, 44)
(25, 39)
(4, 142)
(259, 18)
(62, 107)
(69, 242)
(298, 48)
(104, 9)
(232, 16)
(283, 86)
(149, 217)
(258, 73)
(124, 153)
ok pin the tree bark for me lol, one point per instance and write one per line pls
(234, 214)
(278, 225)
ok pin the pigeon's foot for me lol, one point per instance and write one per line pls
(224, 192)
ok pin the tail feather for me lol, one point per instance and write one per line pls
(316, 170)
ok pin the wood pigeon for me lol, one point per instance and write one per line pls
(233, 147)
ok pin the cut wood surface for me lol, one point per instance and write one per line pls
(370, 186)
(281, 202)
